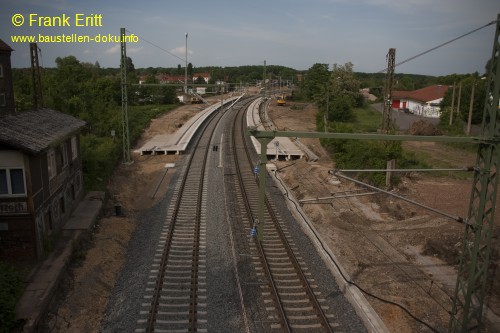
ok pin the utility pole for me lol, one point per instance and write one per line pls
(452, 103)
(471, 107)
(325, 116)
(186, 68)
(472, 278)
(386, 125)
(389, 80)
(123, 65)
(264, 80)
(36, 77)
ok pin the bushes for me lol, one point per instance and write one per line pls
(101, 153)
(362, 154)
(11, 288)
(99, 157)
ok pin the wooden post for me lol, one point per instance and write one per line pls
(471, 106)
(452, 103)
(391, 164)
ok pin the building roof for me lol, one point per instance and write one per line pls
(426, 94)
(35, 131)
(204, 74)
(4, 46)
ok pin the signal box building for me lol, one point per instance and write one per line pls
(40, 176)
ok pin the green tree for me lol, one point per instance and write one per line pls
(404, 83)
(315, 82)
(478, 103)
(344, 93)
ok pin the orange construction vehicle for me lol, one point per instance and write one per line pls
(281, 101)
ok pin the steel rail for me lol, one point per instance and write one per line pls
(164, 259)
(283, 319)
(295, 263)
(293, 259)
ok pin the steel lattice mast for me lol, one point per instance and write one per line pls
(389, 79)
(472, 277)
(123, 65)
(36, 77)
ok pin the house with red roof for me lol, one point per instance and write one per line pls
(423, 102)
(205, 76)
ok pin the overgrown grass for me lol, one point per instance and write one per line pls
(100, 154)
(365, 154)
(442, 161)
(11, 288)
(358, 154)
(367, 119)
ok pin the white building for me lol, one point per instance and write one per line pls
(424, 102)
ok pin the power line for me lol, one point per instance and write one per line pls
(441, 45)
(158, 47)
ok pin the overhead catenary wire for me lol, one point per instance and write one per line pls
(466, 168)
(440, 45)
(348, 280)
(452, 217)
(158, 47)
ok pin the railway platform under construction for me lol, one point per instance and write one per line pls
(177, 143)
(278, 148)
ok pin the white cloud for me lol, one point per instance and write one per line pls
(113, 50)
(134, 50)
(181, 51)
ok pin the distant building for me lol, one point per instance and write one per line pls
(366, 95)
(201, 90)
(424, 102)
(172, 79)
(166, 78)
(142, 79)
(205, 76)
(40, 175)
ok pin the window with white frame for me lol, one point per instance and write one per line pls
(12, 181)
(51, 163)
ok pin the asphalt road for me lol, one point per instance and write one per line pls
(402, 120)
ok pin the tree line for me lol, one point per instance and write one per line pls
(92, 93)
(336, 93)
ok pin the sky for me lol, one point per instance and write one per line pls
(292, 33)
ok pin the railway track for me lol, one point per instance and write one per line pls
(175, 299)
(292, 301)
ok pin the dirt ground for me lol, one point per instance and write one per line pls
(397, 252)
